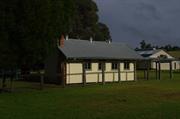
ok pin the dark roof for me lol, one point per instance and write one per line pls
(83, 49)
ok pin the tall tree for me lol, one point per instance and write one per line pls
(86, 22)
(8, 49)
(29, 28)
(144, 45)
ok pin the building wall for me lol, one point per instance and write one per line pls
(75, 71)
(166, 66)
(177, 67)
(51, 68)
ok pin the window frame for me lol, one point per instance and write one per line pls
(114, 66)
(126, 65)
(100, 64)
(88, 66)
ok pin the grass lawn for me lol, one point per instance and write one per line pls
(128, 100)
(175, 53)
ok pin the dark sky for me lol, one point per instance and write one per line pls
(131, 21)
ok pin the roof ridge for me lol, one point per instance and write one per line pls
(114, 43)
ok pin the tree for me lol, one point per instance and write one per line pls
(29, 28)
(86, 22)
(145, 46)
(8, 52)
(102, 32)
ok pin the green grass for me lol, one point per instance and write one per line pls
(151, 99)
(175, 54)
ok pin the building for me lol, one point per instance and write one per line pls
(88, 61)
(158, 54)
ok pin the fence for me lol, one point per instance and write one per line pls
(142, 74)
(7, 80)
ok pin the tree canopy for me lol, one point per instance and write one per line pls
(29, 28)
(148, 46)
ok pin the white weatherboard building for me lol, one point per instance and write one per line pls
(160, 54)
(87, 61)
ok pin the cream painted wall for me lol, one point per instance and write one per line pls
(166, 66)
(177, 65)
(109, 73)
(74, 73)
(127, 75)
(92, 75)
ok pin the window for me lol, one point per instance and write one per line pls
(162, 57)
(100, 66)
(114, 66)
(126, 65)
(87, 66)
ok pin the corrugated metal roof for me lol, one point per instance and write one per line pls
(83, 49)
(148, 53)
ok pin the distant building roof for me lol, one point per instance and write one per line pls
(148, 53)
(84, 49)
(156, 54)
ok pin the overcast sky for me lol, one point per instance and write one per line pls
(131, 21)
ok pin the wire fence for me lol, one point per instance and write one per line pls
(165, 75)
(18, 82)
(31, 81)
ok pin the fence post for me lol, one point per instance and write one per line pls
(148, 69)
(170, 71)
(4, 81)
(156, 70)
(0, 81)
(103, 73)
(63, 74)
(159, 70)
(11, 81)
(41, 81)
(135, 71)
(119, 72)
(145, 74)
(83, 74)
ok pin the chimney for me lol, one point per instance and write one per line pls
(67, 37)
(61, 41)
(109, 41)
(91, 39)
